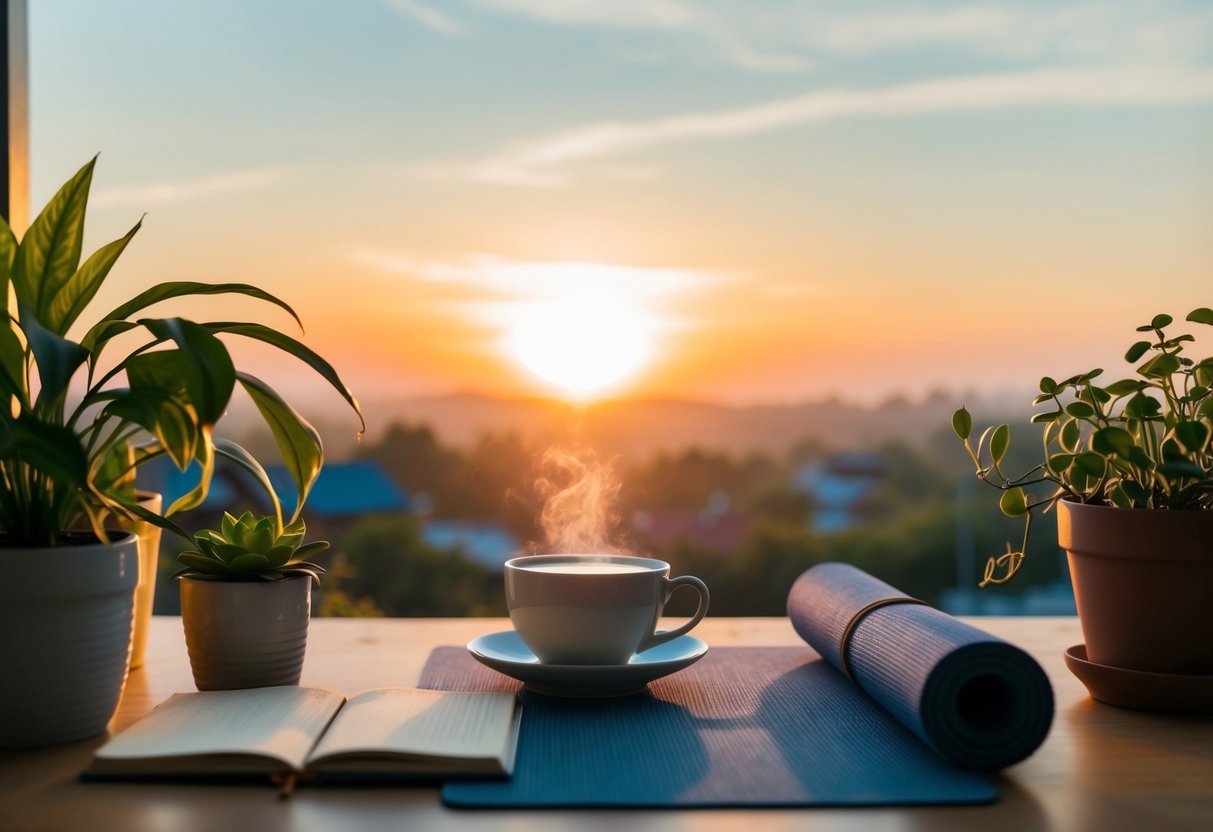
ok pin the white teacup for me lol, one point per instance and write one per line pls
(593, 609)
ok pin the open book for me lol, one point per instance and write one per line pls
(380, 734)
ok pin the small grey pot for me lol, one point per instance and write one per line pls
(246, 634)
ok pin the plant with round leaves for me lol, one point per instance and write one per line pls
(252, 548)
(1142, 442)
(61, 458)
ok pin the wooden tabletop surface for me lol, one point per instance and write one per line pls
(1101, 769)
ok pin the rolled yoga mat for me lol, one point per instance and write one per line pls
(981, 703)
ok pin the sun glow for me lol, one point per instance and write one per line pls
(584, 342)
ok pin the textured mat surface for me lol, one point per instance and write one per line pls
(746, 726)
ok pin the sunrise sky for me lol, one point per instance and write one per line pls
(772, 201)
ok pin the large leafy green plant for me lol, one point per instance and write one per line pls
(69, 452)
(1138, 443)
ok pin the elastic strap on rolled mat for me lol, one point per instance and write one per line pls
(854, 623)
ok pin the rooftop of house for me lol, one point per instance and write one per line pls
(342, 489)
(489, 544)
(722, 531)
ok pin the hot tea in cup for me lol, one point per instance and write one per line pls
(593, 609)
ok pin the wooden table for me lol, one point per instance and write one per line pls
(1101, 768)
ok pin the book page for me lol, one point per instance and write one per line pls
(281, 723)
(438, 724)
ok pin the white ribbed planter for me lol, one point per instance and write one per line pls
(65, 638)
(246, 634)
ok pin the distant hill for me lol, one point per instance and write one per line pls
(645, 426)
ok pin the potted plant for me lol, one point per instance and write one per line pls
(246, 601)
(67, 458)
(1129, 467)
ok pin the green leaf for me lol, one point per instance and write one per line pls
(252, 562)
(1176, 469)
(235, 453)
(1013, 502)
(8, 252)
(1051, 416)
(962, 423)
(1080, 410)
(202, 563)
(67, 304)
(1160, 321)
(1142, 406)
(1126, 386)
(166, 291)
(1092, 464)
(295, 348)
(210, 375)
(999, 443)
(1137, 351)
(12, 366)
(205, 454)
(1070, 435)
(53, 449)
(1138, 456)
(50, 250)
(228, 552)
(1048, 386)
(308, 549)
(162, 414)
(1058, 463)
(277, 556)
(57, 358)
(1160, 366)
(113, 472)
(1203, 315)
(1118, 497)
(298, 442)
(1113, 440)
(1136, 492)
(1193, 436)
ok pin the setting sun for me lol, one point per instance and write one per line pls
(583, 342)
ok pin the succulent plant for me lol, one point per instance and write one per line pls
(251, 548)
(1137, 443)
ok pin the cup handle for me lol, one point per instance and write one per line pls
(672, 584)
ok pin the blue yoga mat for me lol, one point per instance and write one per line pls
(745, 726)
(780, 726)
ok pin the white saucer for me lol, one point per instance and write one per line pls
(506, 653)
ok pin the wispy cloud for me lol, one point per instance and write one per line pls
(782, 37)
(180, 190)
(503, 287)
(430, 17)
(537, 278)
(545, 161)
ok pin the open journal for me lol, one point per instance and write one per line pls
(377, 735)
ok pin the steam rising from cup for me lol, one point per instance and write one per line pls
(580, 515)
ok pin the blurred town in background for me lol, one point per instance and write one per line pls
(422, 515)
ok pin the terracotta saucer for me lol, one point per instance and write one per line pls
(1162, 692)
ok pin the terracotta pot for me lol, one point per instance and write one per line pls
(243, 634)
(1143, 580)
(65, 637)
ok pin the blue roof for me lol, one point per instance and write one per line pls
(343, 488)
(489, 544)
(162, 475)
